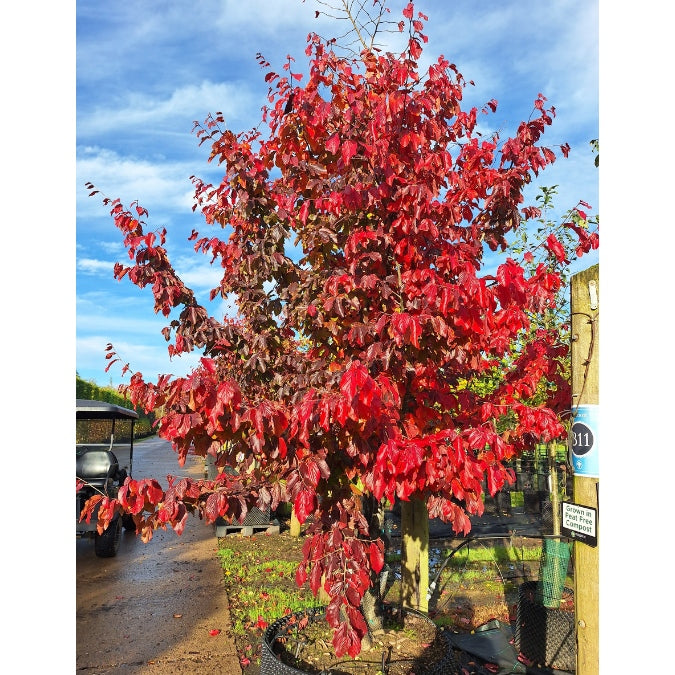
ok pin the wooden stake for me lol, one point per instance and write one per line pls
(294, 528)
(414, 555)
(555, 498)
(585, 391)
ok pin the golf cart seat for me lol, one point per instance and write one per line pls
(97, 467)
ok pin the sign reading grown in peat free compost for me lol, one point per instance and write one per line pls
(579, 522)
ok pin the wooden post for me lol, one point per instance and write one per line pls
(295, 524)
(414, 554)
(585, 392)
(555, 498)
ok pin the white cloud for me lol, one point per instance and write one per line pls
(98, 267)
(257, 17)
(140, 355)
(97, 320)
(177, 112)
(227, 308)
(197, 273)
(112, 247)
(165, 184)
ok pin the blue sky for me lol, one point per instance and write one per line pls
(146, 71)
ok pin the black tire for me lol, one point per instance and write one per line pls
(128, 523)
(107, 544)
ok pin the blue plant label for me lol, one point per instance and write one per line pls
(585, 441)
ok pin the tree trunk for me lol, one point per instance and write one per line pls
(414, 554)
(371, 604)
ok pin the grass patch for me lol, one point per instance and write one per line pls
(265, 587)
(500, 554)
(259, 579)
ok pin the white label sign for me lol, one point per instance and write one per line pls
(580, 522)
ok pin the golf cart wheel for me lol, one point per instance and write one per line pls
(128, 523)
(107, 544)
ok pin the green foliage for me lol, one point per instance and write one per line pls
(258, 598)
(595, 145)
(91, 391)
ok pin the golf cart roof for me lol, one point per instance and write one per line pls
(86, 409)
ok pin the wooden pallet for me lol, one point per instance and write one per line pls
(222, 530)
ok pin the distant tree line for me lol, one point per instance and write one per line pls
(91, 391)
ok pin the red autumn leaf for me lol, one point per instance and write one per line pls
(353, 380)
(376, 552)
(214, 631)
(300, 575)
(315, 575)
(556, 248)
(283, 450)
(348, 150)
(333, 143)
(304, 504)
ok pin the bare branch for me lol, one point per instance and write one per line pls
(366, 24)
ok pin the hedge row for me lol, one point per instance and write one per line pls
(92, 392)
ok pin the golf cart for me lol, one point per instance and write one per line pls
(104, 454)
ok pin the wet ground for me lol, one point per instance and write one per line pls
(151, 608)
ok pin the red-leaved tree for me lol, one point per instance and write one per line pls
(356, 373)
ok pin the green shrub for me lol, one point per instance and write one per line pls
(92, 392)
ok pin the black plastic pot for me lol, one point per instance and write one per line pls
(503, 502)
(524, 481)
(545, 635)
(532, 501)
(275, 635)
